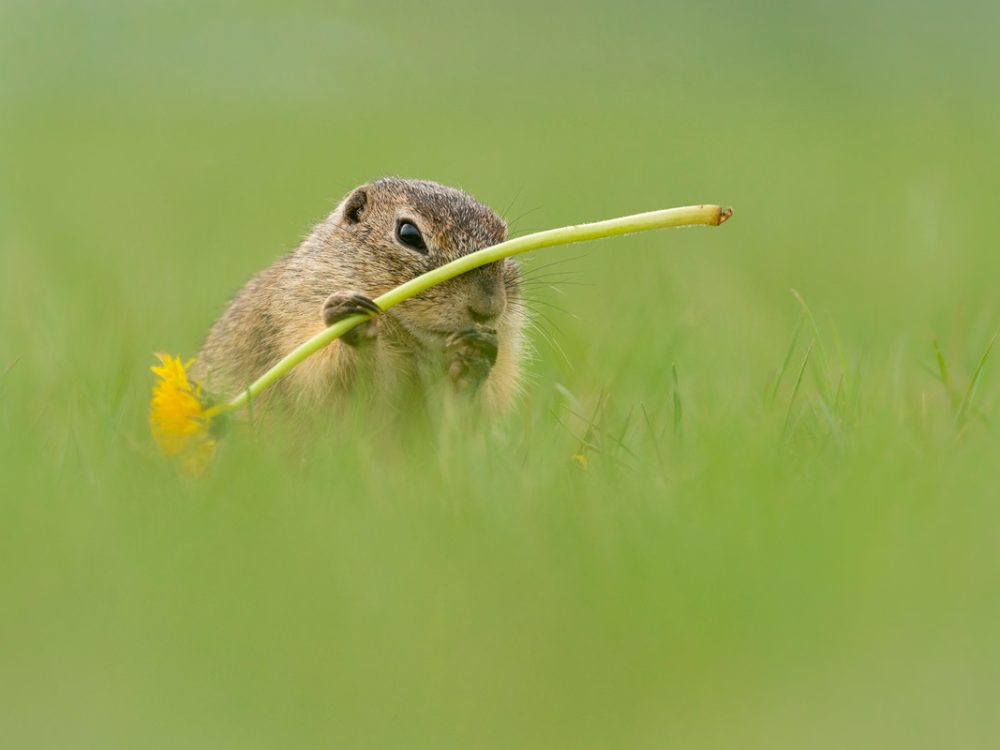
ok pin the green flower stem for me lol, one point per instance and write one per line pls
(670, 217)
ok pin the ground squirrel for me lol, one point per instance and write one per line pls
(468, 330)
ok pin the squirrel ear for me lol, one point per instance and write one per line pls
(355, 205)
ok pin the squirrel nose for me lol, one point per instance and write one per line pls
(487, 309)
(487, 300)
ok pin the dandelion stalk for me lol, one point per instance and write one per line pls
(181, 415)
(670, 217)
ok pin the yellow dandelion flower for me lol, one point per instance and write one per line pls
(178, 416)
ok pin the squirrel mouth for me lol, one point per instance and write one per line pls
(437, 338)
(448, 332)
(428, 338)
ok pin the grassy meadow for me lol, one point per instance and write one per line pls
(787, 531)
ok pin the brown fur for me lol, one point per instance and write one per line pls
(355, 250)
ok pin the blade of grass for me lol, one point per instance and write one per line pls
(945, 379)
(795, 390)
(678, 407)
(786, 362)
(821, 368)
(652, 434)
(970, 393)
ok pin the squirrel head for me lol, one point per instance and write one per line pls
(392, 230)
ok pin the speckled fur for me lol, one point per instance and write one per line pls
(355, 249)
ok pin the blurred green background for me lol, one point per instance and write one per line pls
(757, 554)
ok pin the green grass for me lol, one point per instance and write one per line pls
(785, 534)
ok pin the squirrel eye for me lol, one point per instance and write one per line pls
(408, 234)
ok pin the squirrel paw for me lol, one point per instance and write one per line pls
(471, 355)
(342, 305)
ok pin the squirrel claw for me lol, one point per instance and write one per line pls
(472, 352)
(342, 305)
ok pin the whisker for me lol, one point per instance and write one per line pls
(576, 256)
(512, 222)
(548, 275)
(551, 340)
(554, 307)
(556, 287)
(538, 316)
(512, 202)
